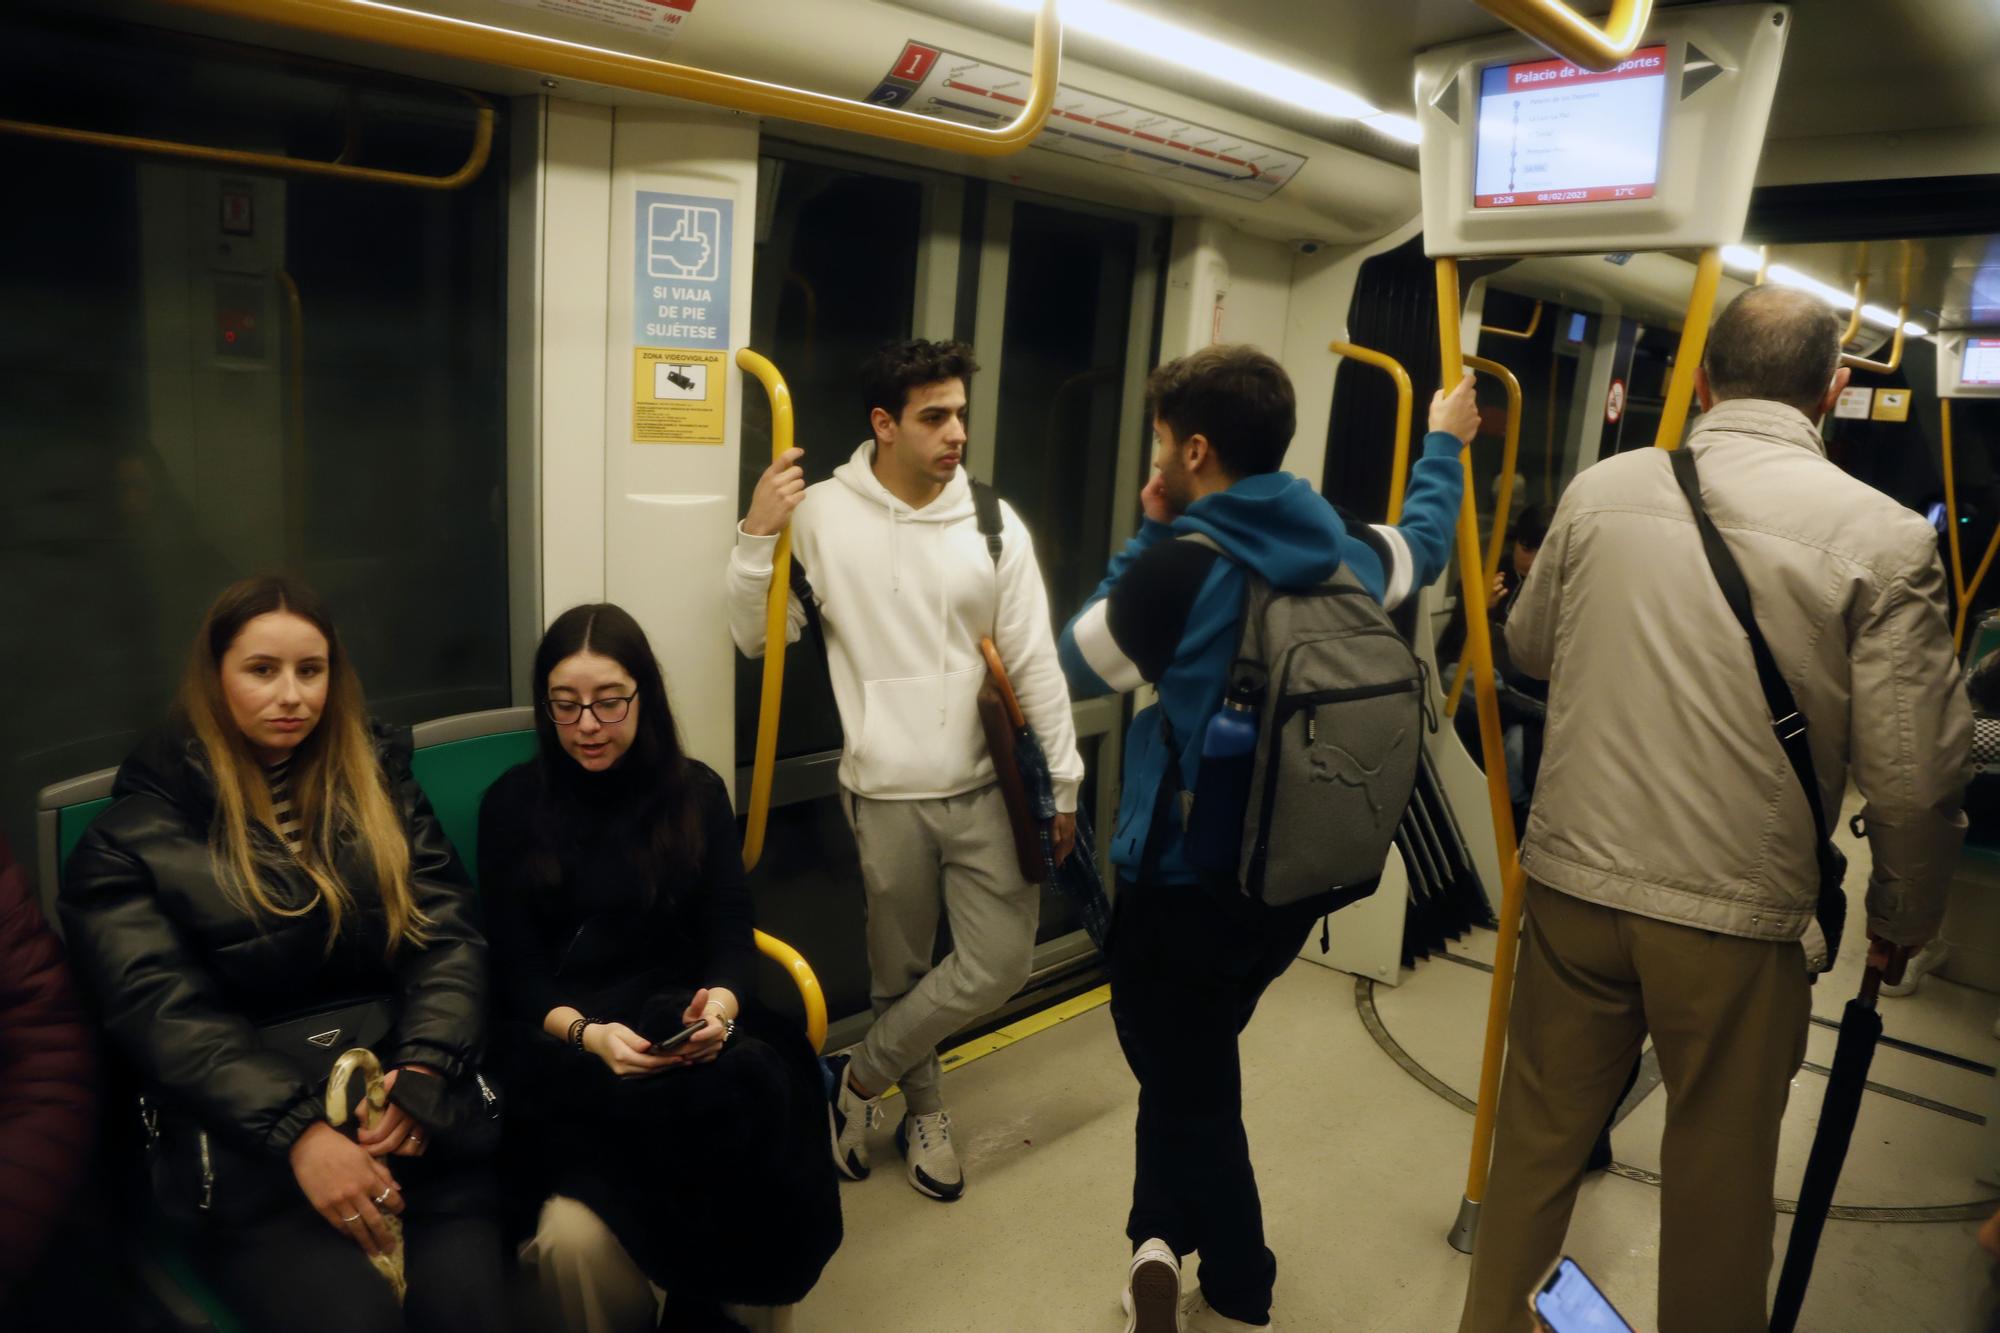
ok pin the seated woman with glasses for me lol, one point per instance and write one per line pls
(671, 1134)
(268, 889)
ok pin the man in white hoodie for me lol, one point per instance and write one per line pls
(906, 585)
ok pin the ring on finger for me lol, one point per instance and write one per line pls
(350, 1221)
(383, 1197)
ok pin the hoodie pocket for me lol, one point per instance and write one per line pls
(920, 735)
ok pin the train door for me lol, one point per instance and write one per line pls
(1058, 300)
(1066, 298)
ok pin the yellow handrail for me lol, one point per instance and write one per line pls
(1398, 469)
(461, 39)
(1763, 265)
(1479, 645)
(1573, 37)
(1694, 341)
(1534, 322)
(1895, 360)
(1853, 328)
(1962, 592)
(775, 612)
(801, 973)
(758, 814)
(245, 160)
(1503, 504)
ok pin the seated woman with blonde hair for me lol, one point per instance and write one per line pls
(267, 890)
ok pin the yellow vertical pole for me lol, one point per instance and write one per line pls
(1962, 591)
(1503, 503)
(1694, 341)
(1399, 469)
(1479, 647)
(775, 611)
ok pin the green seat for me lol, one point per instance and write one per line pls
(456, 773)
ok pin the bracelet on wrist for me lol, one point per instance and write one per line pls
(576, 1029)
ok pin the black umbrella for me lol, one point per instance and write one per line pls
(1860, 1028)
(1023, 769)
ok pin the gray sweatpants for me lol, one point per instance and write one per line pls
(954, 853)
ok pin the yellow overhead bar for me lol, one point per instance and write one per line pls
(1503, 504)
(1399, 469)
(1962, 592)
(1534, 322)
(1479, 647)
(1853, 328)
(1895, 360)
(461, 39)
(243, 160)
(1694, 341)
(757, 816)
(1573, 37)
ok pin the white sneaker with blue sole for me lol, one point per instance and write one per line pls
(849, 1117)
(933, 1163)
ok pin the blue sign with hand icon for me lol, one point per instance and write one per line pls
(681, 271)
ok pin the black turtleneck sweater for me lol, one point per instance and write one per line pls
(600, 937)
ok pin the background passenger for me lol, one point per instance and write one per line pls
(908, 586)
(1670, 853)
(48, 1082)
(619, 916)
(1190, 961)
(265, 859)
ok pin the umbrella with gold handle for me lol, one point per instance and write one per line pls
(374, 1099)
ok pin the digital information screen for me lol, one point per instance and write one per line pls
(1981, 367)
(1553, 133)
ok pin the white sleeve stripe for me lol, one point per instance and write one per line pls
(1402, 570)
(1101, 652)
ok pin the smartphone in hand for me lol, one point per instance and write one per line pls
(679, 1039)
(1567, 1301)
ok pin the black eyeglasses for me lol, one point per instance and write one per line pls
(569, 712)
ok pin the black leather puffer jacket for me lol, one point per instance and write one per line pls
(183, 978)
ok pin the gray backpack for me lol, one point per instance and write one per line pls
(1340, 731)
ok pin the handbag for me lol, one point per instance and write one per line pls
(197, 1175)
(1787, 722)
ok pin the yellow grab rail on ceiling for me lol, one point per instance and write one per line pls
(1895, 361)
(1573, 37)
(460, 39)
(1399, 469)
(1479, 646)
(1694, 341)
(757, 815)
(1510, 453)
(1534, 322)
(1962, 591)
(245, 160)
(1853, 329)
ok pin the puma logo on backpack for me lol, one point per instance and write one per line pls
(1339, 738)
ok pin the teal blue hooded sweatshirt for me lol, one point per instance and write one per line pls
(1169, 613)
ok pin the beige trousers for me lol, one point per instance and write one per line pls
(586, 1283)
(1728, 1018)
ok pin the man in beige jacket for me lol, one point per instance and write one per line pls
(1670, 852)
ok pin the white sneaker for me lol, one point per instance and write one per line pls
(1152, 1297)
(1925, 960)
(849, 1117)
(1198, 1316)
(933, 1163)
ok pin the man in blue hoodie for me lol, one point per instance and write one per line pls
(1189, 962)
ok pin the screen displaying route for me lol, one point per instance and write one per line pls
(1981, 366)
(1553, 133)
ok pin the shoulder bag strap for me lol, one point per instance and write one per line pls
(1787, 722)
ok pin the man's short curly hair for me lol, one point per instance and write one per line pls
(895, 368)
(1235, 396)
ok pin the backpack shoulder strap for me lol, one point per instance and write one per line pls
(986, 511)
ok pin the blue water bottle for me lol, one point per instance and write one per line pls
(1222, 788)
